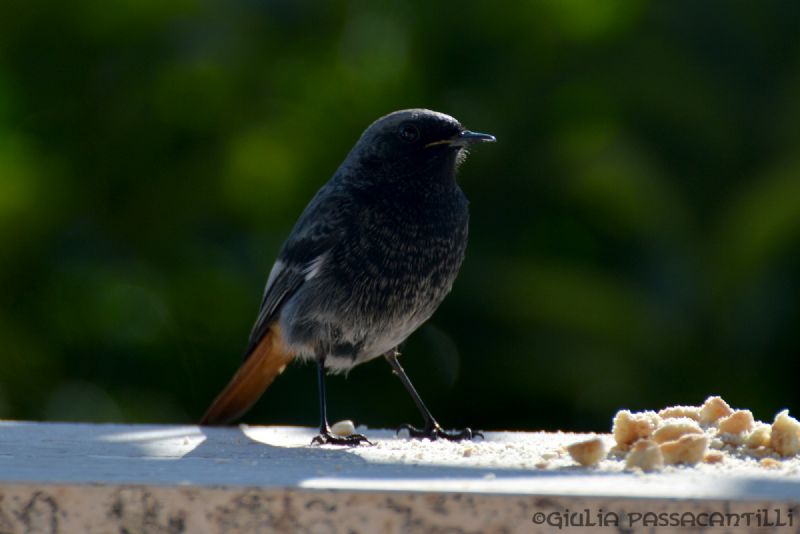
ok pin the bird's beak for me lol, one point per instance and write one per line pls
(465, 138)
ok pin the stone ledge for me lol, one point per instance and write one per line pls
(165, 479)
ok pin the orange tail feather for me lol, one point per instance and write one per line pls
(261, 367)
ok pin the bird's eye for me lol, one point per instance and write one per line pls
(408, 133)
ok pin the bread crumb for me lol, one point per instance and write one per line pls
(675, 412)
(644, 455)
(343, 428)
(731, 441)
(589, 452)
(770, 463)
(785, 435)
(675, 428)
(689, 449)
(732, 429)
(759, 437)
(541, 465)
(738, 422)
(713, 457)
(468, 451)
(630, 427)
(716, 443)
(714, 409)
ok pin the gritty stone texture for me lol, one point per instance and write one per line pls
(171, 479)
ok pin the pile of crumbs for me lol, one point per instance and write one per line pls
(711, 437)
(713, 433)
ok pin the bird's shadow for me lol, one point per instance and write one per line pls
(300, 462)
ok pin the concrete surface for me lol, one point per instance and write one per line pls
(171, 479)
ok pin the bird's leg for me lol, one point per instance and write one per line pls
(431, 428)
(325, 435)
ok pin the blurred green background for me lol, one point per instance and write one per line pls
(634, 238)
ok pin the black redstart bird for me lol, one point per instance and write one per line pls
(370, 259)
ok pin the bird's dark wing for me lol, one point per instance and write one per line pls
(316, 232)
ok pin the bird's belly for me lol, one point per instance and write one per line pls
(360, 322)
(374, 346)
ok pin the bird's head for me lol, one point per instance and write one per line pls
(412, 145)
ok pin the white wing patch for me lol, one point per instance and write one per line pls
(273, 274)
(312, 269)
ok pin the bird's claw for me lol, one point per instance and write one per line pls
(327, 438)
(437, 432)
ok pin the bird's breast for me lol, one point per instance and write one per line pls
(399, 243)
(384, 278)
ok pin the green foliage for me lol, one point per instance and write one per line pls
(634, 230)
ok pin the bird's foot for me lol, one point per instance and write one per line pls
(327, 438)
(435, 431)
